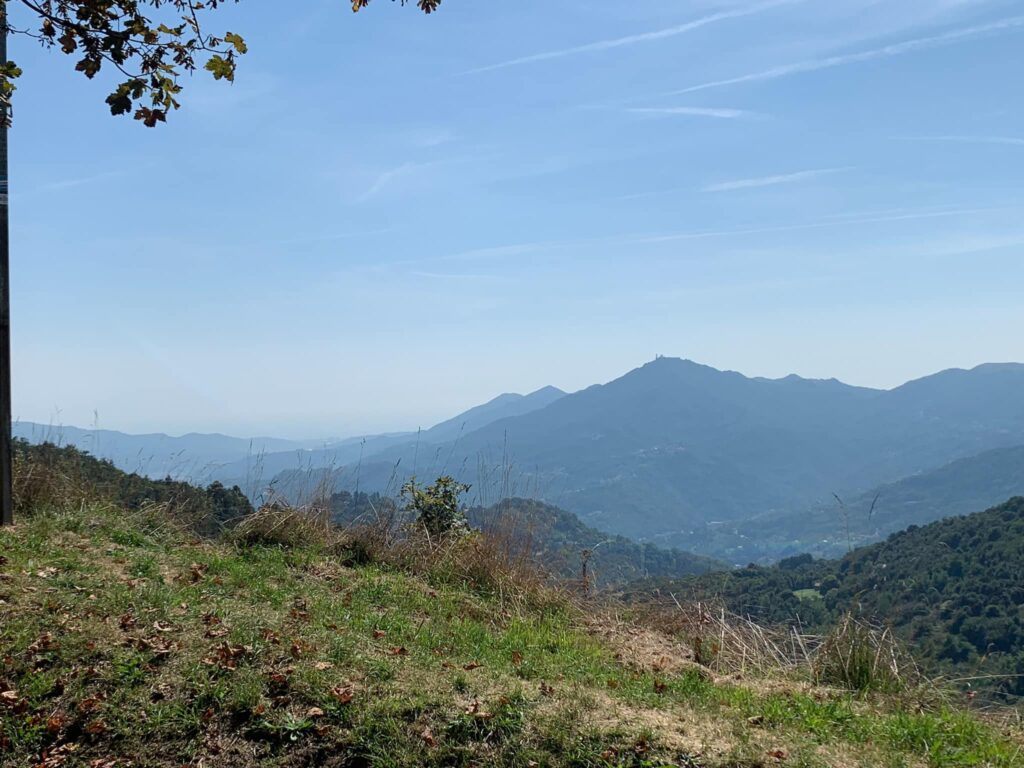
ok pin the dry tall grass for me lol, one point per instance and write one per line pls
(854, 656)
(859, 656)
(493, 560)
(48, 480)
(280, 525)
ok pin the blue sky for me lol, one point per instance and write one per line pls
(391, 217)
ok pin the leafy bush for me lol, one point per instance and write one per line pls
(437, 507)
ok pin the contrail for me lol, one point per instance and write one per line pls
(645, 37)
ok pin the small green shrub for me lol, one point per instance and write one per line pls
(437, 507)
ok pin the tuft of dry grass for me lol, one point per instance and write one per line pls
(280, 525)
(46, 480)
(727, 643)
(490, 562)
(854, 656)
(860, 657)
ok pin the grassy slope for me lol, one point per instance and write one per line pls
(122, 640)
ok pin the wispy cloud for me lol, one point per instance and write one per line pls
(432, 137)
(451, 276)
(644, 37)
(726, 114)
(872, 217)
(502, 251)
(894, 49)
(846, 218)
(770, 181)
(1006, 140)
(60, 184)
(389, 177)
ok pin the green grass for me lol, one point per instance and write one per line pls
(130, 642)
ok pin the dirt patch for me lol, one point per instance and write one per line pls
(646, 650)
(679, 729)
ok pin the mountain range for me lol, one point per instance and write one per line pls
(675, 451)
(701, 459)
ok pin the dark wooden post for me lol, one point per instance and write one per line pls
(6, 502)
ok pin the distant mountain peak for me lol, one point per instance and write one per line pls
(548, 391)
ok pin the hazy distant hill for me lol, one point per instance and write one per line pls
(953, 589)
(502, 407)
(254, 461)
(674, 446)
(291, 470)
(829, 530)
(191, 456)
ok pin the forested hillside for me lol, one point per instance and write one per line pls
(953, 589)
(833, 526)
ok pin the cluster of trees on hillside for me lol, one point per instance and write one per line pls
(45, 470)
(953, 589)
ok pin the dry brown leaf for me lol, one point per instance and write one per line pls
(95, 727)
(475, 710)
(342, 695)
(89, 704)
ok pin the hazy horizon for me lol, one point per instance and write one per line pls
(96, 421)
(391, 217)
